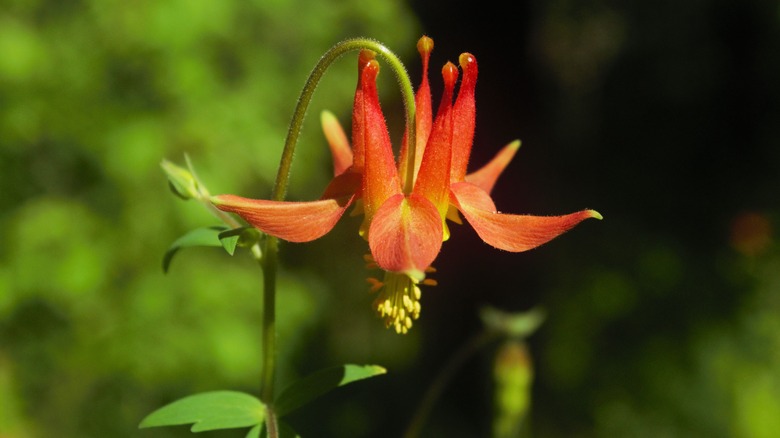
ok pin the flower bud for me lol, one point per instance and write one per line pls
(181, 181)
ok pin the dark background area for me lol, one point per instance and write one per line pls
(663, 117)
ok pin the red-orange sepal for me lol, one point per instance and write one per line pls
(510, 232)
(380, 176)
(423, 113)
(464, 114)
(434, 177)
(338, 143)
(291, 221)
(406, 235)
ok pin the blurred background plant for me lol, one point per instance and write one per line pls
(662, 320)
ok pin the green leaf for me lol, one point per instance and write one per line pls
(244, 236)
(181, 181)
(210, 411)
(229, 240)
(206, 236)
(314, 385)
(255, 431)
(177, 190)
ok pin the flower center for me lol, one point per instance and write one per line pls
(398, 297)
(398, 300)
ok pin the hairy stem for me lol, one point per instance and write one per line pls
(271, 425)
(335, 52)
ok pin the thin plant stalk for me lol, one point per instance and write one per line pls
(436, 388)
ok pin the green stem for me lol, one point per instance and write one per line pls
(269, 265)
(270, 256)
(335, 52)
(271, 423)
(436, 388)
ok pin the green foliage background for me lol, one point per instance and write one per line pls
(662, 319)
(93, 95)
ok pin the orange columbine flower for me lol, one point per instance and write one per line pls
(405, 214)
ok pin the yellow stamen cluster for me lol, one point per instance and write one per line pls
(398, 301)
(398, 298)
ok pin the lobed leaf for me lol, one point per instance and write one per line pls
(255, 431)
(210, 411)
(244, 236)
(314, 385)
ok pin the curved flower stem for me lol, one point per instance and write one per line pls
(335, 52)
(270, 255)
(436, 388)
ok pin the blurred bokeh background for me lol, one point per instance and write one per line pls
(662, 320)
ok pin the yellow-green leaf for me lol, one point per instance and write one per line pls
(209, 411)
